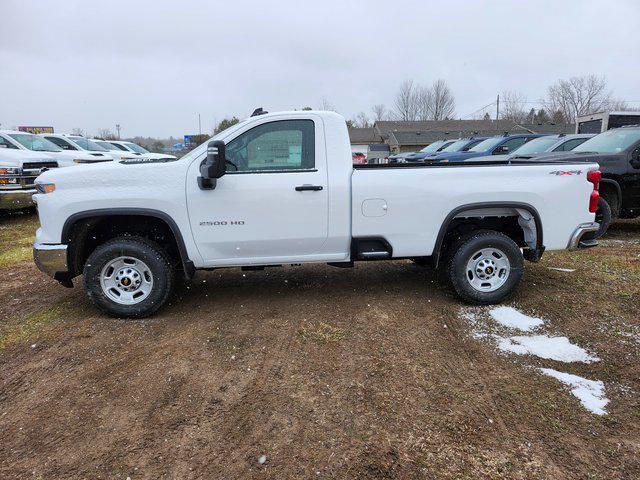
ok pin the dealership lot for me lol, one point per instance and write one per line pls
(314, 371)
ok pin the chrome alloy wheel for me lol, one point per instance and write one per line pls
(488, 269)
(126, 280)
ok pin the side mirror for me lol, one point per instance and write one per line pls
(214, 165)
(501, 149)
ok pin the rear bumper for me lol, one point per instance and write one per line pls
(576, 240)
(14, 199)
(52, 260)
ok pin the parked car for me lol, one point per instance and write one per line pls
(458, 145)
(116, 152)
(358, 158)
(28, 141)
(280, 189)
(551, 143)
(542, 146)
(76, 143)
(433, 147)
(131, 147)
(501, 145)
(18, 171)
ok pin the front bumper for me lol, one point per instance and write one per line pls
(576, 241)
(14, 199)
(52, 260)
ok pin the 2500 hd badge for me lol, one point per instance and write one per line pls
(221, 223)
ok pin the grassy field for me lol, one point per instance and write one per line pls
(373, 372)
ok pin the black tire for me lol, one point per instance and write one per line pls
(613, 202)
(603, 217)
(462, 253)
(151, 254)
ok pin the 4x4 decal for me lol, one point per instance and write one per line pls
(565, 172)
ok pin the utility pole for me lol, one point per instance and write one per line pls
(497, 111)
(199, 125)
(118, 129)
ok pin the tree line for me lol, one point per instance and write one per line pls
(564, 100)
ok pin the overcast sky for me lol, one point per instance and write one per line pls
(153, 65)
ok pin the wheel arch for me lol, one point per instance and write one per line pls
(489, 206)
(615, 185)
(100, 214)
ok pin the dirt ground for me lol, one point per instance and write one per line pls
(370, 372)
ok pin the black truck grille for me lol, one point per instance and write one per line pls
(39, 165)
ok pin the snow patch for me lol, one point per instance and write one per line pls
(589, 392)
(569, 270)
(543, 346)
(512, 318)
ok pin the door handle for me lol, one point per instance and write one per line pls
(306, 187)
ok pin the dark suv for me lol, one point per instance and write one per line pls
(618, 154)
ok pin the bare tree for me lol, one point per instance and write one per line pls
(443, 102)
(405, 103)
(425, 103)
(379, 112)
(579, 96)
(325, 104)
(106, 134)
(77, 131)
(362, 120)
(512, 106)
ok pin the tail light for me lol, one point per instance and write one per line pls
(594, 177)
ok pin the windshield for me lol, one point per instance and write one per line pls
(33, 142)
(487, 144)
(537, 145)
(611, 141)
(136, 148)
(432, 147)
(455, 146)
(86, 144)
(105, 145)
(117, 146)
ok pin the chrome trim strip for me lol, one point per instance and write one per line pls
(574, 241)
(50, 259)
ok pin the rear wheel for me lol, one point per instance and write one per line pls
(129, 277)
(485, 267)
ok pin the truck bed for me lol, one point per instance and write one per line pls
(408, 205)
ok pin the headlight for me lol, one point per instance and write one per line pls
(45, 187)
(9, 175)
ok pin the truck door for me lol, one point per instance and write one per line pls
(271, 205)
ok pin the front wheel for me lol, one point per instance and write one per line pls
(129, 277)
(485, 267)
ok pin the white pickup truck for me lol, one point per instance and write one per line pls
(280, 189)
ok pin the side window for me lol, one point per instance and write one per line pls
(61, 143)
(569, 145)
(512, 144)
(279, 145)
(6, 143)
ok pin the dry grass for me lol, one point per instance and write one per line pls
(322, 333)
